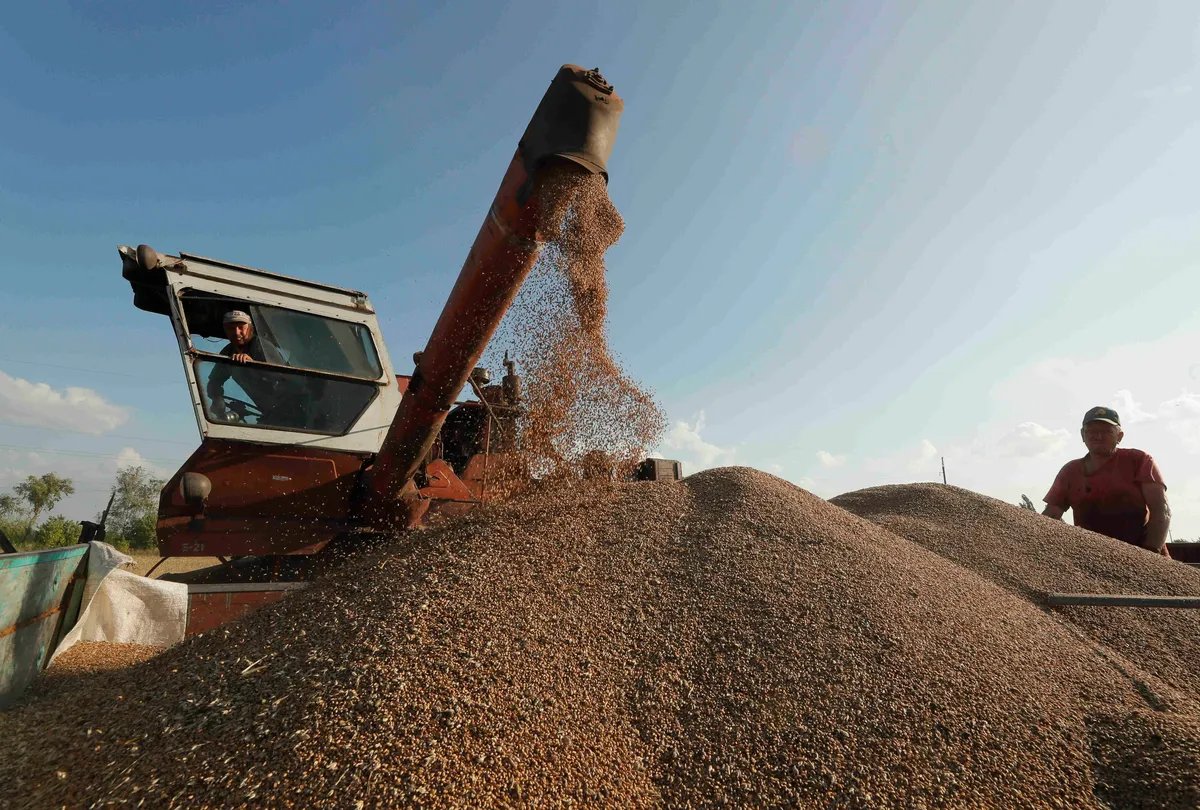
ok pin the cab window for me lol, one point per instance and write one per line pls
(287, 337)
(279, 388)
(259, 396)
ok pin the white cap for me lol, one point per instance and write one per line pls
(237, 316)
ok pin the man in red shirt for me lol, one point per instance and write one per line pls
(1116, 492)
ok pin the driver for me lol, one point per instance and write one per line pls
(262, 386)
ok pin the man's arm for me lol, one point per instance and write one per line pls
(1056, 499)
(216, 388)
(1052, 511)
(1160, 515)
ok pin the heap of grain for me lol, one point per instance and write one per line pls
(1033, 555)
(87, 657)
(582, 410)
(728, 639)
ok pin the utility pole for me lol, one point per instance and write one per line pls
(943, 469)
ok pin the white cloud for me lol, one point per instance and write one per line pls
(919, 463)
(684, 442)
(1130, 410)
(1061, 389)
(1029, 439)
(1181, 416)
(1184, 406)
(828, 459)
(925, 459)
(129, 457)
(39, 405)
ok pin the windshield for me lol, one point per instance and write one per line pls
(246, 394)
(280, 336)
(258, 364)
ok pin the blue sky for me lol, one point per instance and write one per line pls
(860, 236)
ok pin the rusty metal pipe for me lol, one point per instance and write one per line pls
(576, 121)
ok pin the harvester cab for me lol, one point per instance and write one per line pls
(310, 367)
(293, 393)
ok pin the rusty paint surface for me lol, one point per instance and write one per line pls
(266, 499)
(21, 625)
(1185, 552)
(444, 485)
(213, 606)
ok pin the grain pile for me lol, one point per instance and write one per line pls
(1032, 555)
(729, 639)
(579, 401)
(87, 657)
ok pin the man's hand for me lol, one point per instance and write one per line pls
(241, 357)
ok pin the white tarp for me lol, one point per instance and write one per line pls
(123, 608)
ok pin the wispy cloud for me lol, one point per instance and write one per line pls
(1181, 416)
(922, 463)
(1029, 439)
(40, 405)
(685, 443)
(130, 457)
(827, 459)
(1130, 410)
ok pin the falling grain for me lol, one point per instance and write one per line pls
(582, 410)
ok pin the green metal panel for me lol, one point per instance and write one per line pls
(40, 593)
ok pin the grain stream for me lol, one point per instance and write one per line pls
(583, 413)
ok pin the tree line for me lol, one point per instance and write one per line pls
(27, 515)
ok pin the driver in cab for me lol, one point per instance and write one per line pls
(245, 346)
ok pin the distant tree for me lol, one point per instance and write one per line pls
(140, 533)
(42, 493)
(58, 530)
(10, 525)
(10, 506)
(134, 511)
(1027, 504)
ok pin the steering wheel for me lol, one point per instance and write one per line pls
(239, 409)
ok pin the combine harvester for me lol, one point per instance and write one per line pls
(297, 458)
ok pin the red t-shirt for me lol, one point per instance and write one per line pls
(1110, 500)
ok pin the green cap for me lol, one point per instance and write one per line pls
(1102, 414)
